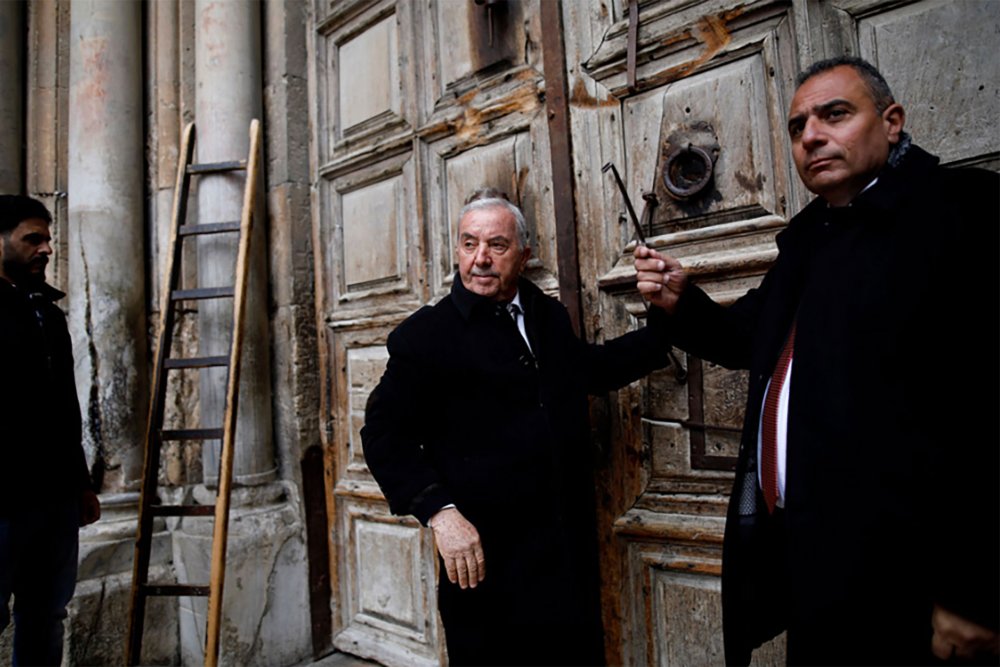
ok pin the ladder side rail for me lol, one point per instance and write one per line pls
(220, 536)
(151, 464)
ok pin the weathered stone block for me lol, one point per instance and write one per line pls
(265, 617)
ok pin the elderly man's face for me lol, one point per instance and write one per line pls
(490, 256)
(25, 251)
(839, 140)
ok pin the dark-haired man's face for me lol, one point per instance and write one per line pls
(25, 252)
(839, 139)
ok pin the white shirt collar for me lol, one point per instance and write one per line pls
(517, 300)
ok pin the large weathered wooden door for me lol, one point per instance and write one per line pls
(712, 84)
(414, 104)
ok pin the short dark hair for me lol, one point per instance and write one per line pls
(874, 81)
(15, 209)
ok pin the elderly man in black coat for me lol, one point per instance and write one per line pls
(479, 429)
(864, 514)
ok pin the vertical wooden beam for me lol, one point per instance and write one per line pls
(318, 535)
(12, 31)
(557, 109)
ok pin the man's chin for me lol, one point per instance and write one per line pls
(486, 286)
(489, 291)
(33, 278)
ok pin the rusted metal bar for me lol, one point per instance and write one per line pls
(557, 108)
(633, 42)
(652, 201)
(640, 237)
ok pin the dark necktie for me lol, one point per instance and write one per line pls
(514, 310)
(769, 425)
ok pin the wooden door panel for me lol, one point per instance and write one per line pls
(367, 92)
(373, 246)
(470, 38)
(368, 61)
(464, 51)
(385, 581)
(951, 97)
(386, 590)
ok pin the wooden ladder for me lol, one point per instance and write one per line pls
(149, 505)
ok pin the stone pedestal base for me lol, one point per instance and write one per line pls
(265, 612)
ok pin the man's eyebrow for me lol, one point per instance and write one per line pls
(826, 106)
(498, 237)
(819, 110)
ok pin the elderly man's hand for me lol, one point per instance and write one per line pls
(957, 637)
(458, 542)
(661, 280)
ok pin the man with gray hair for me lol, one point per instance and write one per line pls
(865, 512)
(479, 429)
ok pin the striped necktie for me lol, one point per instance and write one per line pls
(769, 425)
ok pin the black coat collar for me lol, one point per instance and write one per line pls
(48, 292)
(885, 196)
(469, 302)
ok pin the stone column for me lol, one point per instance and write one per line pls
(106, 273)
(11, 96)
(266, 596)
(107, 316)
(227, 97)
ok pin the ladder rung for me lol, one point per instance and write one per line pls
(216, 167)
(196, 362)
(209, 228)
(202, 293)
(191, 434)
(180, 590)
(182, 510)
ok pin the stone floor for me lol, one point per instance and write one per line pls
(339, 660)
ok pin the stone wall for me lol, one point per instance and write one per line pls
(266, 613)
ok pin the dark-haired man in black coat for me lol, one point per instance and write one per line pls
(45, 488)
(479, 429)
(864, 514)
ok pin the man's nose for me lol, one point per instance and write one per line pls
(483, 257)
(812, 133)
(45, 248)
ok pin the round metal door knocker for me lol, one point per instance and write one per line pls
(687, 172)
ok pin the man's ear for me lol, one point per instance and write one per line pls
(525, 256)
(893, 117)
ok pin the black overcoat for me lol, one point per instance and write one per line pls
(42, 462)
(466, 414)
(892, 466)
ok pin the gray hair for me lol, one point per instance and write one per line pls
(483, 198)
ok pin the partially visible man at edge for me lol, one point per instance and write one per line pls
(45, 488)
(864, 514)
(479, 428)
